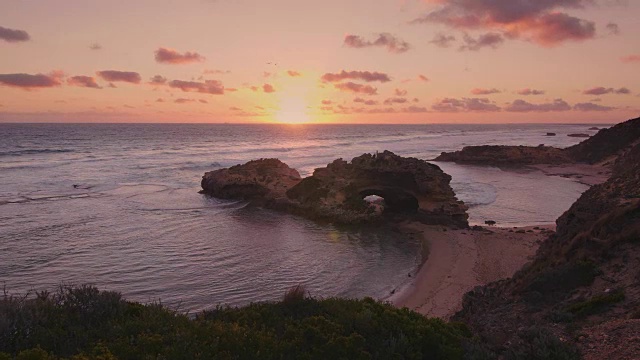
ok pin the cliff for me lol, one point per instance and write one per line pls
(584, 282)
(412, 189)
(605, 146)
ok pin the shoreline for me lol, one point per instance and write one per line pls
(459, 260)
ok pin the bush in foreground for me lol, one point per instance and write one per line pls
(84, 323)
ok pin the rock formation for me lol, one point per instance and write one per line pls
(412, 189)
(605, 146)
(584, 279)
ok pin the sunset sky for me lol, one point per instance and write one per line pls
(345, 61)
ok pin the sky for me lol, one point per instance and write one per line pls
(331, 61)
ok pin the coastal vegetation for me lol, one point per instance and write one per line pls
(85, 323)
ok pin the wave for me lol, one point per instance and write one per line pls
(34, 152)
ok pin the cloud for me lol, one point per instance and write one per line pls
(170, 56)
(28, 81)
(630, 59)
(95, 46)
(124, 76)
(158, 80)
(183, 101)
(235, 108)
(293, 73)
(160, 100)
(492, 40)
(268, 88)
(423, 78)
(528, 92)
(540, 21)
(613, 28)
(365, 101)
(83, 81)
(11, 35)
(523, 106)
(443, 40)
(203, 101)
(327, 102)
(396, 100)
(592, 107)
(465, 105)
(400, 92)
(216, 72)
(600, 90)
(481, 91)
(386, 40)
(356, 75)
(356, 88)
(213, 87)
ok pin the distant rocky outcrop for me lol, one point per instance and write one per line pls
(606, 145)
(579, 135)
(584, 279)
(412, 189)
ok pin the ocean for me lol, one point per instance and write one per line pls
(117, 206)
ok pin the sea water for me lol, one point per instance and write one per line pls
(117, 206)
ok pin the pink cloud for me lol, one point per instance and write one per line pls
(213, 87)
(491, 40)
(592, 107)
(442, 40)
(396, 100)
(83, 81)
(400, 92)
(482, 91)
(11, 35)
(523, 106)
(158, 80)
(183, 101)
(327, 102)
(28, 81)
(528, 92)
(630, 59)
(123, 76)
(356, 88)
(268, 88)
(465, 105)
(293, 73)
(170, 56)
(423, 78)
(356, 75)
(600, 90)
(365, 101)
(539, 21)
(386, 40)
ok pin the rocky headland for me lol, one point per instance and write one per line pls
(583, 284)
(412, 189)
(601, 149)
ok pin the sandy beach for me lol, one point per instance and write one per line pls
(460, 260)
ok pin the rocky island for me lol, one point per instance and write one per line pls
(412, 190)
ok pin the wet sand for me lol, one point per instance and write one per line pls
(459, 260)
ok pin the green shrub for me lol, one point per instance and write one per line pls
(83, 323)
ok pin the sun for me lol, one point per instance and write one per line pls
(293, 110)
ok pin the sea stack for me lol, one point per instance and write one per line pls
(412, 190)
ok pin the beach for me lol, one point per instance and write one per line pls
(459, 260)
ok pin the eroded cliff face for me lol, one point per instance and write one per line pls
(584, 279)
(412, 189)
(604, 147)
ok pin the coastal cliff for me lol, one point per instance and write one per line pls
(603, 147)
(583, 284)
(412, 189)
